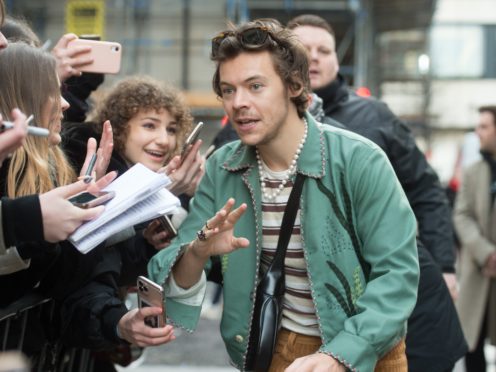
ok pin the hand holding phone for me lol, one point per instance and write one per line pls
(106, 55)
(87, 200)
(190, 141)
(167, 226)
(151, 294)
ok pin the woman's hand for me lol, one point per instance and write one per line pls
(133, 329)
(104, 153)
(69, 60)
(60, 216)
(156, 236)
(11, 139)
(185, 175)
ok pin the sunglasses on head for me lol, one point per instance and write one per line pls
(251, 38)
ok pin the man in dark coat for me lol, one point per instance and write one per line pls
(434, 340)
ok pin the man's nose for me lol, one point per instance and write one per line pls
(240, 99)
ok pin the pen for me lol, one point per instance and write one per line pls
(91, 165)
(34, 131)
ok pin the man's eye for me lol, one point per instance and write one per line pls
(227, 91)
(256, 86)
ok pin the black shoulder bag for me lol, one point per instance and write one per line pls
(270, 292)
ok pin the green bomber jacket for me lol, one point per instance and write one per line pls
(358, 234)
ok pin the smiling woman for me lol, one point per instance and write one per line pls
(149, 120)
(149, 124)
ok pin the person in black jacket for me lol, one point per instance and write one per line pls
(434, 339)
(150, 122)
(29, 81)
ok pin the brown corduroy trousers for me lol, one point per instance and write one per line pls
(291, 345)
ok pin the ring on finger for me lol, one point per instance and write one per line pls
(201, 235)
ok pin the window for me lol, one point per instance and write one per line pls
(457, 51)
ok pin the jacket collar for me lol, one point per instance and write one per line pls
(333, 93)
(311, 162)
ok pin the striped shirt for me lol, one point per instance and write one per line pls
(298, 311)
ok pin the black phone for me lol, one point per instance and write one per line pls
(90, 200)
(151, 294)
(166, 225)
(190, 141)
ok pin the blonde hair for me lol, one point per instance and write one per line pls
(29, 81)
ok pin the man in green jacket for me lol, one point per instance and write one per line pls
(351, 265)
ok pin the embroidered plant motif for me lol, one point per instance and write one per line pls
(224, 261)
(346, 220)
(347, 303)
(354, 291)
(357, 290)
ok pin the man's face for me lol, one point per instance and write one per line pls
(254, 97)
(321, 47)
(486, 130)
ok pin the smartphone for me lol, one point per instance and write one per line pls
(151, 294)
(166, 225)
(190, 141)
(106, 56)
(90, 37)
(89, 200)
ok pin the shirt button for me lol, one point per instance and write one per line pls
(239, 339)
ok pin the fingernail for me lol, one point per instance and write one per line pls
(87, 179)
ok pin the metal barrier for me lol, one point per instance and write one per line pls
(29, 325)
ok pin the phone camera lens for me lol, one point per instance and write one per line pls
(115, 49)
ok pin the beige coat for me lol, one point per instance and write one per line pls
(475, 225)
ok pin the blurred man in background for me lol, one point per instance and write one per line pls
(475, 221)
(434, 341)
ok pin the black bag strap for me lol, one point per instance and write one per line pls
(277, 265)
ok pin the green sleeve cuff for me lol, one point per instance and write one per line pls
(352, 351)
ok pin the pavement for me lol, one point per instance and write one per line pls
(204, 351)
(201, 351)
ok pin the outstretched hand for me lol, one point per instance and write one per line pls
(219, 233)
(215, 238)
(104, 152)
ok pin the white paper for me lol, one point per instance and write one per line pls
(132, 187)
(153, 206)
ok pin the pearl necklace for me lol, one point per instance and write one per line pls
(271, 195)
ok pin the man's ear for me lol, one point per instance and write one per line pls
(295, 85)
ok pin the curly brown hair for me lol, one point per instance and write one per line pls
(289, 56)
(136, 94)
